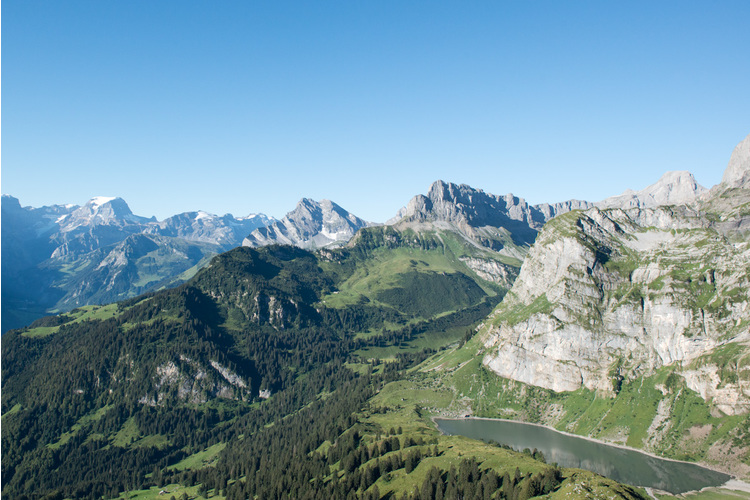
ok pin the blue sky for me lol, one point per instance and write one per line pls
(248, 106)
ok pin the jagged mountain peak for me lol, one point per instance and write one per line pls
(100, 210)
(467, 207)
(311, 224)
(441, 190)
(737, 174)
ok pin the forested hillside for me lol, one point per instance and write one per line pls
(255, 379)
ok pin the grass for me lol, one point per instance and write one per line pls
(175, 490)
(201, 459)
(430, 340)
(16, 408)
(384, 269)
(80, 314)
(76, 428)
(128, 434)
(515, 315)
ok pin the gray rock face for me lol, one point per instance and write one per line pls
(100, 222)
(674, 188)
(623, 292)
(491, 221)
(462, 204)
(737, 174)
(310, 225)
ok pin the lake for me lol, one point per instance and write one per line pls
(623, 465)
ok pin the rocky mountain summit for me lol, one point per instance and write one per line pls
(607, 295)
(488, 220)
(100, 222)
(737, 174)
(310, 225)
(674, 188)
(500, 229)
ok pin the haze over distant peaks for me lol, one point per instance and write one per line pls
(64, 256)
(311, 224)
(674, 188)
(227, 230)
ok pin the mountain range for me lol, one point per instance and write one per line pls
(278, 369)
(59, 257)
(65, 256)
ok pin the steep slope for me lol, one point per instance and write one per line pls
(126, 269)
(310, 225)
(100, 222)
(611, 298)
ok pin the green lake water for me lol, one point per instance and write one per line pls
(623, 465)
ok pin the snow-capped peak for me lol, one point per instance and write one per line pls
(100, 200)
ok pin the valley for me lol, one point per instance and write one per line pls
(275, 371)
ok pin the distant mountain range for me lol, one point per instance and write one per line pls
(59, 257)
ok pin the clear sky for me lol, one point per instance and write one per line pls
(247, 106)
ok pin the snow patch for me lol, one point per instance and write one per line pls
(100, 200)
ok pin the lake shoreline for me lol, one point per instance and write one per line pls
(733, 482)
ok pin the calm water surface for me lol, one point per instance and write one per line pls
(625, 466)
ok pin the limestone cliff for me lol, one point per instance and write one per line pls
(607, 295)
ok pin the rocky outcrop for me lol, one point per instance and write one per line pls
(187, 380)
(619, 293)
(478, 214)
